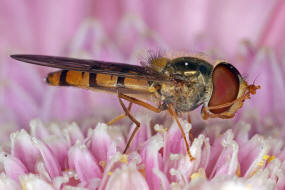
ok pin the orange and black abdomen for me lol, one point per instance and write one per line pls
(95, 80)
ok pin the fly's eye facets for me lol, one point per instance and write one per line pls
(225, 86)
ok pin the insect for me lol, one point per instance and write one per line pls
(179, 85)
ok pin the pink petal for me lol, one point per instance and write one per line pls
(140, 36)
(109, 18)
(227, 28)
(182, 164)
(274, 28)
(51, 164)
(59, 103)
(115, 161)
(38, 129)
(227, 163)
(59, 148)
(13, 166)
(127, 177)
(8, 183)
(54, 139)
(28, 32)
(268, 72)
(281, 177)
(103, 144)
(152, 159)
(18, 100)
(33, 182)
(91, 41)
(163, 16)
(26, 76)
(173, 141)
(252, 153)
(164, 182)
(23, 149)
(144, 132)
(82, 161)
(73, 133)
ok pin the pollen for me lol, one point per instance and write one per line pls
(271, 158)
(160, 129)
(109, 173)
(23, 185)
(265, 158)
(249, 186)
(195, 175)
(124, 158)
(238, 172)
(102, 163)
(199, 174)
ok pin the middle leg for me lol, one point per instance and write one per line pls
(127, 112)
(119, 117)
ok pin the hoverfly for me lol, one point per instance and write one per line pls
(180, 84)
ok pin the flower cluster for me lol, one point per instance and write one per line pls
(61, 156)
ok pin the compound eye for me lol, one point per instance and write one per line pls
(225, 86)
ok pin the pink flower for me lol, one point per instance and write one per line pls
(224, 157)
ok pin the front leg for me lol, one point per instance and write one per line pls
(174, 114)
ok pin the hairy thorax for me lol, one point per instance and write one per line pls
(184, 96)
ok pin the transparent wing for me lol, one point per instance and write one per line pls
(94, 66)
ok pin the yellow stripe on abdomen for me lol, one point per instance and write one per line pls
(105, 80)
(53, 78)
(136, 84)
(77, 78)
(95, 80)
(68, 78)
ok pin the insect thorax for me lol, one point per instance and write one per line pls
(193, 85)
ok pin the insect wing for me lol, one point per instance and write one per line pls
(94, 66)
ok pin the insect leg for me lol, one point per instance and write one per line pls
(173, 113)
(122, 116)
(190, 132)
(189, 118)
(138, 102)
(206, 114)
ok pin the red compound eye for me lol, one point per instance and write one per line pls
(225, 86)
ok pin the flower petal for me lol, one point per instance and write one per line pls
(23, 149)
(13, 166)
(152, 159)
(33, 182)
(81, 160)
(8, 183)
(127, 177)
(51, 164)
(102, 144)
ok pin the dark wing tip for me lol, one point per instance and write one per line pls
(16, 56)
(24, 58)
(35, 59)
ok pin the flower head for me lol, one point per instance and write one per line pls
(94, 159)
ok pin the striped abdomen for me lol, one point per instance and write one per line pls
(96, 80)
